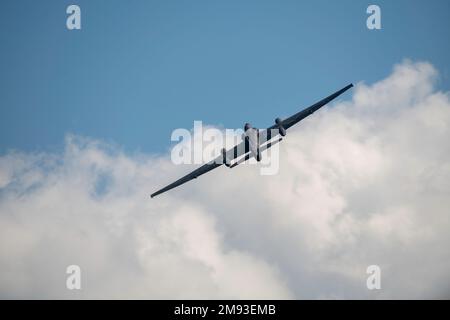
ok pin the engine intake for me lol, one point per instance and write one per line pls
(280, 127)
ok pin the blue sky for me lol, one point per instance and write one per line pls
(137, 70)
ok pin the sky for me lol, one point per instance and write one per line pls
(87, 115)
(134, 73)
(363, 183)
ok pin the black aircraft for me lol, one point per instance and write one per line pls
(254, 142)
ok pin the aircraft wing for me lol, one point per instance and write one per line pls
(193, 175)
(233, 153)
(289, 122)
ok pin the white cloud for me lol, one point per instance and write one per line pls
(364, 182)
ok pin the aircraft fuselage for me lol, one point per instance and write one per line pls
(252, 136)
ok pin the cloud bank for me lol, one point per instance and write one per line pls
(363, 182)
